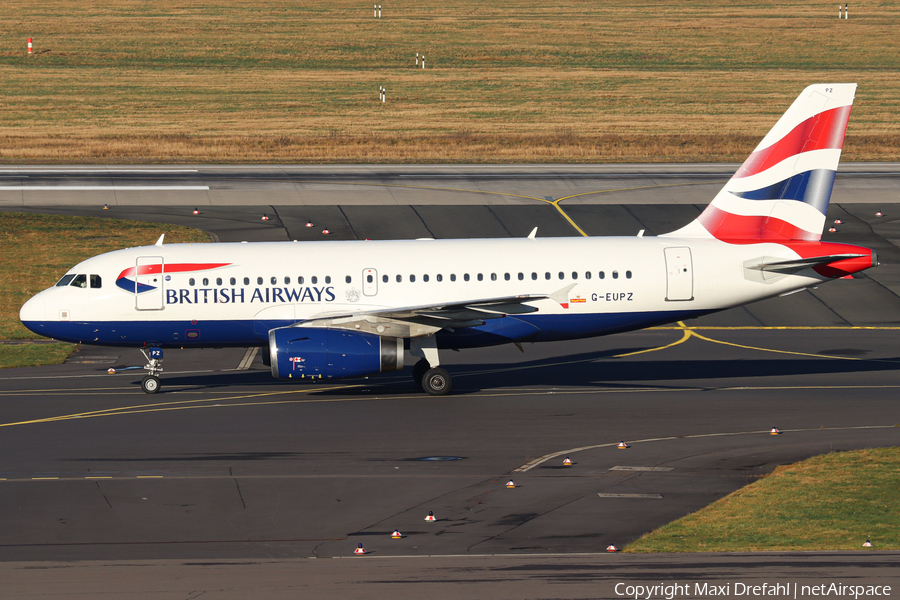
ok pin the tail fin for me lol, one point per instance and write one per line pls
(782, 190)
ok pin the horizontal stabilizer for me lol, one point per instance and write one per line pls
(792, 266)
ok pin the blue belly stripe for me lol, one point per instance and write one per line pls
(185, 334)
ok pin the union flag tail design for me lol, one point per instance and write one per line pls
(782, 190)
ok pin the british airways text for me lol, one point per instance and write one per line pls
(240, 295)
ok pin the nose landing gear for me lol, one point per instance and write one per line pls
(150, 383)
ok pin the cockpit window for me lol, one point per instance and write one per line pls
(96, 282)
(79, 281)
(66, 280)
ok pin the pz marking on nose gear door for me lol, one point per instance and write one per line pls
(679, 275)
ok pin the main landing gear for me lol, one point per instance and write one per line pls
(427, 372)
(150, 383)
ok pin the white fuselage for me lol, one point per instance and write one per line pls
(233, 294)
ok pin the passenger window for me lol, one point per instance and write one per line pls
(466, 277)
(547, 276)
(66, 280)
(493, 277)
(191, 282)
(602, 275)
(452, 277)
(328, 279)
(384, 278)
(218, 281)
(79, 281)
(246, 281)
(272, 280)
(562, 275)
(574, 275)
(232, 281)
(205, 281)
(480, 277)
(300, 280)
(615, 274)
(96, 282)
(314, 280)
(259, 280)
(399, 278)
(287, 281)
(587, 274)
(412, 278)
(521, 276)
(439, 277)
(506, 276)
(425, 278)
(627, 274)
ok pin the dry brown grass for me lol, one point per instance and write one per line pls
(561, 81)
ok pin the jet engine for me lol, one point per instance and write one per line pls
(315, 353)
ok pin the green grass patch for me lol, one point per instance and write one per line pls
(830, 502)
(34, 355)
(36, 250)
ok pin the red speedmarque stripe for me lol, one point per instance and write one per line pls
(170, 268)
(750, 229)
(824, 131)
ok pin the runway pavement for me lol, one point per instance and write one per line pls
(231, 474)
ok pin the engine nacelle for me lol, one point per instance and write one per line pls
(309, 352)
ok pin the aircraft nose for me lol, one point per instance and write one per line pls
(33, 310)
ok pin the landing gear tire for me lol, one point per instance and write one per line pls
(150, 384)
(436, 382)
(419, 370)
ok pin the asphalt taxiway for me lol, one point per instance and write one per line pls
(229, 467)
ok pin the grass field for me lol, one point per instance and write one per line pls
(36, 250)
(558, 81)
(830, 502)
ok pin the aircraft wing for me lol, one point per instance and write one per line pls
(413, 321)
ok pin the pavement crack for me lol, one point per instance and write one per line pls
(424, 224)
(349, 222)
(287, 233)
(102, 494)
(499, 220)
(240, 494)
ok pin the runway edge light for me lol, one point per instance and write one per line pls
(430, 516)
(775, 431)
(510, 484)
(567, 462)
(359, 550)
(622, 445)
(868, 544)
(612, 548)
(396, 535)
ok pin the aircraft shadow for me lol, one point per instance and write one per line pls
(578, 370)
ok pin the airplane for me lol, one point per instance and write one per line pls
(323, 310)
